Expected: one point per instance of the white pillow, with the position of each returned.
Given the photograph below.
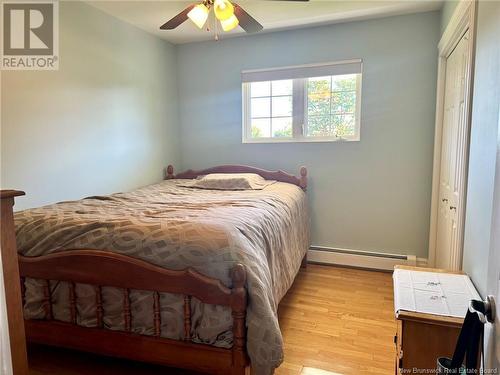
(230, 181)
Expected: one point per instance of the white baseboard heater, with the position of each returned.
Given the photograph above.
(361, 259)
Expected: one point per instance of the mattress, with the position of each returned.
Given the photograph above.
(175, 227)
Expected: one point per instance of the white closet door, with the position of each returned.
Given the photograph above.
(453, 159)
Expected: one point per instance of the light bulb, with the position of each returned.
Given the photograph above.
(223, 9)
(230, 23)
(199, 15)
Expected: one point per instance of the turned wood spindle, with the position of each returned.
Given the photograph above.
(23, 291)
(156, 315)
(127, 317)
(187, 318)
(99, 309)
(72, 302)
(47, 300)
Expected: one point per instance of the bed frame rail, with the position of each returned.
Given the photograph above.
(103, 268)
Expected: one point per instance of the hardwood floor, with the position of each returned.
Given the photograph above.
(334, 319)
(339, 320)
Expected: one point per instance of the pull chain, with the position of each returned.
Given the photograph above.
(216, 28)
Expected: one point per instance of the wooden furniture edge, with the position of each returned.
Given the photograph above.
(8, 249)
(11, 193)
(279, 175)
(429, 318)
(427, 269)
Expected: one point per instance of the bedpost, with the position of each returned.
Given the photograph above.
(12, 283)
(170, 172)
(239, 307)
(303, 178)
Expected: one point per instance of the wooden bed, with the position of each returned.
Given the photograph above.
(106, 268)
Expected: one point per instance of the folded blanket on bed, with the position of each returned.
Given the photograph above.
(176, 227)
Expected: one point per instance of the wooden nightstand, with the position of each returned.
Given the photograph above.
(421, 337)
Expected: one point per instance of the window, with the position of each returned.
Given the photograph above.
(271, 104)
(302, 104)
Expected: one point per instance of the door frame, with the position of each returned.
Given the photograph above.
(463, 19)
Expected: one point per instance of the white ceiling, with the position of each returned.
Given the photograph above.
(273, 15)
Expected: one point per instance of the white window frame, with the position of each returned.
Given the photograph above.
(299, 114)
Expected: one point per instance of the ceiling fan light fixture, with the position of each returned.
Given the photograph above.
(199, 15)
(229, 14)
(230, 23)
(223, 9)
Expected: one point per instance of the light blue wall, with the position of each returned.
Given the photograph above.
(106, 121)
(368, 195)
(482, 222)
(483, 145)
(449, 7)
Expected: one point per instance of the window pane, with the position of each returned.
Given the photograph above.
(318, 105)
(261, 128)
(343, 102)
(282, 106)
(343, 125)
(318, 96)
(260, 89)
(261, 107)
(283, 87)
(282, 127)
(345, 82)
(319, 86)
(319, 126)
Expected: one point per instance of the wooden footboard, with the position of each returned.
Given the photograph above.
(104, 268)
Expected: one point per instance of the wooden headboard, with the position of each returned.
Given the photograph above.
(281, 176)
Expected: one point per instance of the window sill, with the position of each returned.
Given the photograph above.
(299, 140)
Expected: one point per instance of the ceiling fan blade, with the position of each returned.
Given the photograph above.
(247, 22)
(178, 19)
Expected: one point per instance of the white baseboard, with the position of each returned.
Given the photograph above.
(362, 259)
(422, 262)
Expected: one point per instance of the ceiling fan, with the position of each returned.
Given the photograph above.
(229, 14)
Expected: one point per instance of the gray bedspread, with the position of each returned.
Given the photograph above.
(177, 227)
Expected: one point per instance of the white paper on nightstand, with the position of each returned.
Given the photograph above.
(433, 292)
